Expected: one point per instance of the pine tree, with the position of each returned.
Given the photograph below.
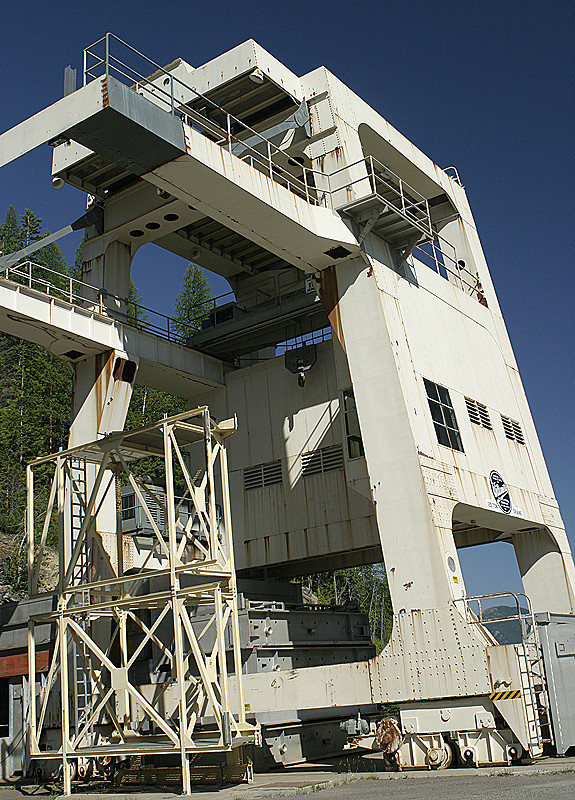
(31, 227)
(35, 392)
(11, 237)
(193, 303)
(136, 314)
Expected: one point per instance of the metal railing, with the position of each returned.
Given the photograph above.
(455, 175)
(530, 663)
(57, 285)
(63, 287)
(162, 86)
(385, 184)
(313, 337)
(525, 619)
(434, 256)
(269, 294)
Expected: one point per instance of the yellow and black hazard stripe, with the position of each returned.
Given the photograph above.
(512, 695)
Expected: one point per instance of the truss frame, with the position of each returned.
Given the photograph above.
(184, 570)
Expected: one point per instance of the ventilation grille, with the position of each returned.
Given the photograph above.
(318, 461)
(512, 430)
(128, 506)
(262, 475)
(132, 508)
(478, 413)
(156, 511)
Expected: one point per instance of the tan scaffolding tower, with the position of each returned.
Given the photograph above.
(116, 597)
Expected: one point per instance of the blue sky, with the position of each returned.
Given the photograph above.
(487, 87)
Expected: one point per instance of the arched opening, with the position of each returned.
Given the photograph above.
(522, 556)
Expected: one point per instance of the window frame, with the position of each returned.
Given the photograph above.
(351, 438)
(443, 415)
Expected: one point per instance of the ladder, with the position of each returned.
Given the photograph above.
(533, 685)
(80, 575)
(530, 666)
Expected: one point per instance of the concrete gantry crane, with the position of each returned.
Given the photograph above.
(380, 408)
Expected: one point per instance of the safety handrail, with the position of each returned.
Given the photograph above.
(520, 616)
(442, 261)
(100, 301)
(455, 175)
(109, 63)
(65, 286)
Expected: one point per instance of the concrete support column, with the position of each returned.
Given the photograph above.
(103, 388)
(107, 266)
(546, 566)
(102, 392)
(103, 384)
(412, 545)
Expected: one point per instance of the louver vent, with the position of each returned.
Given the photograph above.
(156, 510)
(128, 506)
(262, 475)
(158, 514)
(478, 413)
(512, 430)
(319, 461)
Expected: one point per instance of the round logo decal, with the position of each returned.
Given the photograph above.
(500, 492)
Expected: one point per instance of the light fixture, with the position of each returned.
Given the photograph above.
(57, 183)
(257, 76)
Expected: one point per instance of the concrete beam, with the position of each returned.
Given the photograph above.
(63, 328)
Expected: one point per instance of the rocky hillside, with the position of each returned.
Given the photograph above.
(13, 569)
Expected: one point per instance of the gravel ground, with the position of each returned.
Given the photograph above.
(551, 779)
(458, 786)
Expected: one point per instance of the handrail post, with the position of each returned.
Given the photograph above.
(107, 56)
(269, 148)
(305, 184)
(85, 66)
(30, 274)
(229, 124)
(172, 99)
